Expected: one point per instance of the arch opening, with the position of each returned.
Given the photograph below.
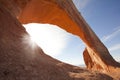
(57, 42)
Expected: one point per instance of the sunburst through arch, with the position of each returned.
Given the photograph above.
(57, 42)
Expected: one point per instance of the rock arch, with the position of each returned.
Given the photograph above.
(64, 14)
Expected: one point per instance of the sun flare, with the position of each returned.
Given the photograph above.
(50, 38)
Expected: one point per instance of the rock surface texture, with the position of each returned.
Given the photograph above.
(20, 61)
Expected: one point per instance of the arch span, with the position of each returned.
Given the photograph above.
(64, 14)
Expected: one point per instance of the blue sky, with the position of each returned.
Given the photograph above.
(103, 16)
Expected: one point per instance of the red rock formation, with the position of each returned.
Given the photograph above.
(68, 18)
(18, 60)
(87, 59)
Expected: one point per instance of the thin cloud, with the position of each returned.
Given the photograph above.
(117, 28)
(80, 4)
(50, 38)
(112, 35)
(114, 47)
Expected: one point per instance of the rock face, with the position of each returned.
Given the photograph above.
(20, 61)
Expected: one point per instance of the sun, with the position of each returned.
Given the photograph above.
(50, 38)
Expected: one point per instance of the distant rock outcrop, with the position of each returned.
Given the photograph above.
(20, 61)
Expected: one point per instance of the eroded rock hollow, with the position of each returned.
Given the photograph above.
(19, 61)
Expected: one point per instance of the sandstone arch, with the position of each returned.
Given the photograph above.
(64, 14)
